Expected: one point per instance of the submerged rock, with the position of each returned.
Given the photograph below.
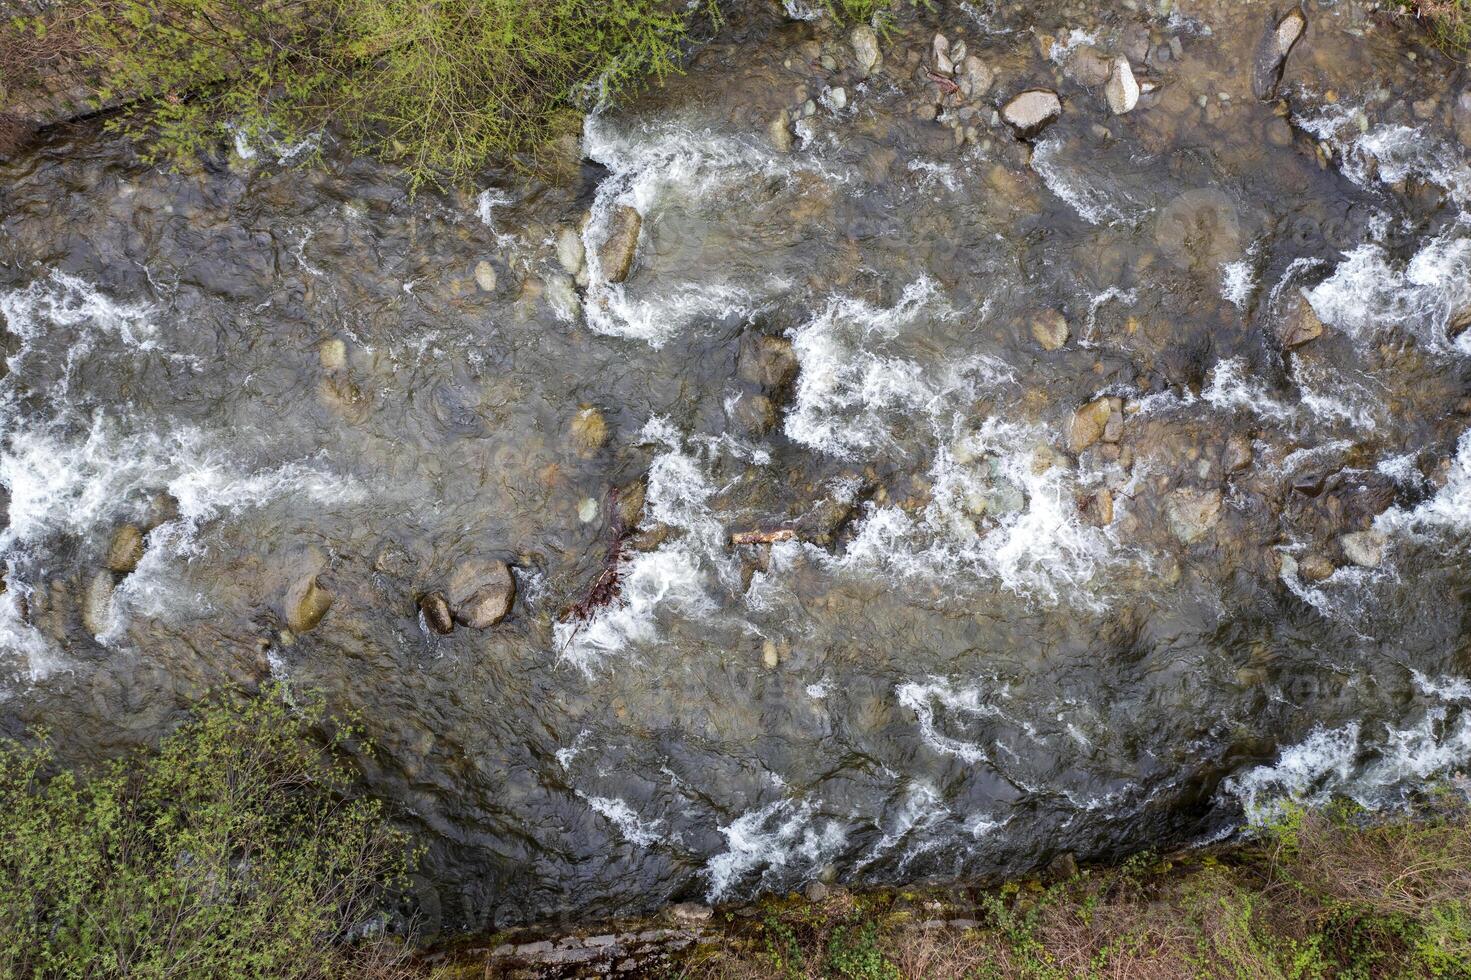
(306, 604)
(1272, 51)
(1089, 66)
(589, 430)
(435, 611)
(570, 251)
(616, 253)
(1050, 329)
(1097, 508)
(1299, 325)
(767, 361)
(126, 549)
(976, 78)
(1459, 322)
(1032, 111)
(1193, 514)
(1364, 548)
(332, 354)
(779, 131)
(480, 593)
(1122, 91)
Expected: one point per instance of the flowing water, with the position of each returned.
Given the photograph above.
(959, 662)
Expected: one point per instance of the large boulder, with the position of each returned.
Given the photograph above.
(480, 593)
(1032, 111)
(615, 255)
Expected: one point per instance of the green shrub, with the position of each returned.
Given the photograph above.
(1447, 21)
(235, 850)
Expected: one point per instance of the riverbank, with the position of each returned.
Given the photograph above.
(1322, 893)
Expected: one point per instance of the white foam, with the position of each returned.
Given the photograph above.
(964, 703)
(781, 835)
(1238, 282)
(1096, 199)
(1389, 152)
(678, 575)
(634, 828)
(920, 810)
(1308, 772)
(1449, 509)
(1445, 688)
(650, 163)
(1368, 294)
(851, 389)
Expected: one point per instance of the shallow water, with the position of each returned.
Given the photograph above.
(955, 665)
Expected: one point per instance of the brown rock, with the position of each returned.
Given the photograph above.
(1459, 322)
(1089, 423)
(1032, 111)
(1050, 329)
(589, 430)
(1315, 568)
(306, 604)
(1097, 508)
(126, 549)
(616, 253)
(767, 361)
(480, 593)
(1299, 325)
(436, 613)
(1238, 454)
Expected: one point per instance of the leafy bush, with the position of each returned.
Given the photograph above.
(1448, 21)
(235, 850)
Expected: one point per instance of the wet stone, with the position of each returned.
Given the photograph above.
(485, 277)
(588, 430)
(1315, 568)
(1299, 325)
(1050, 329)
(1091, 424)
(332, 354)
(97, 603)
(1193, 514)
(779, 132)
(1364, 548)
(1272, 51)
(570, 250)
(306, 603)
(435, 611)
(1122, 91)
(865, 48)
(126, 549)
(1032, 111)
(767, 361)
(480, 593)
(615, 254)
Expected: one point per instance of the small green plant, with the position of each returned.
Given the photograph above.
(1447, 21)
(235, 850)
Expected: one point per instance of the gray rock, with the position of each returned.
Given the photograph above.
(1050, 329)
(97, 603)
(1122, 92)
(571, 253)
(865, 48)
(561, 293)
(306, 603)
(1299, 325)
(1193, 514)
(1272, 50)
(815, 891)
(943, 64)
(1364, 548)
(1238, 455)
(485, 276)
(837, 97)
(689, 912)
(126, 549)
(1032, 111)
(1064, 867)
(480, 593)
(975, 77)
(436, 613)
(616, 253)
(1459, 321)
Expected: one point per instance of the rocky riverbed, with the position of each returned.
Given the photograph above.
(1037, 431)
